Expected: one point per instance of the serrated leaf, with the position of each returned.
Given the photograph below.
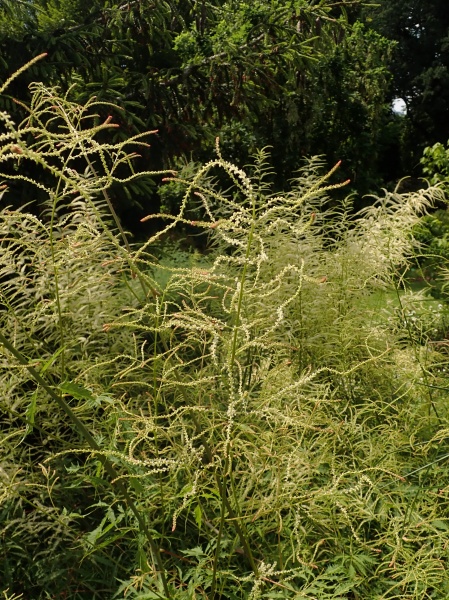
(197, 551)
(77, 391)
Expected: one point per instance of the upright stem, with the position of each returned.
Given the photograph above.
(225, 504)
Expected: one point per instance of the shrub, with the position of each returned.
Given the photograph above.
(432, 233)
(435, 163)
(246, 424)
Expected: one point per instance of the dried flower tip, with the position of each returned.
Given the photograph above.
(323, 279)
(108, 120)
(214, 225)
(106, 327)
(16, 149)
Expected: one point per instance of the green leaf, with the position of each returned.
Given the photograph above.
(77, 391)
(31, 411)
(198, 515)
(197, 551)
(438, 524)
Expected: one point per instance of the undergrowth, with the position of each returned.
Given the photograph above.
(239, 425)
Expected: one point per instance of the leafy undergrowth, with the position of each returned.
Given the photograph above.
(238, 426)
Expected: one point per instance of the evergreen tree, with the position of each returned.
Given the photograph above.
(291, 74)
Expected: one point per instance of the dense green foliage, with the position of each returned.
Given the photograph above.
(433, 230)
(267, 420)
(435, 163)
(432, 233)
(303, 77)
(419, 67)
(291, 74)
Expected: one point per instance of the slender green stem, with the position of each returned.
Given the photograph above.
(241, 290)
(222, 483)
(110, 205)
(56, 276)
(55, 268)
(220, 534)
(21, 70)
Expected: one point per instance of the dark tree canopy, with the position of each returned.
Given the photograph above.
(420, 65)
(292, 74)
